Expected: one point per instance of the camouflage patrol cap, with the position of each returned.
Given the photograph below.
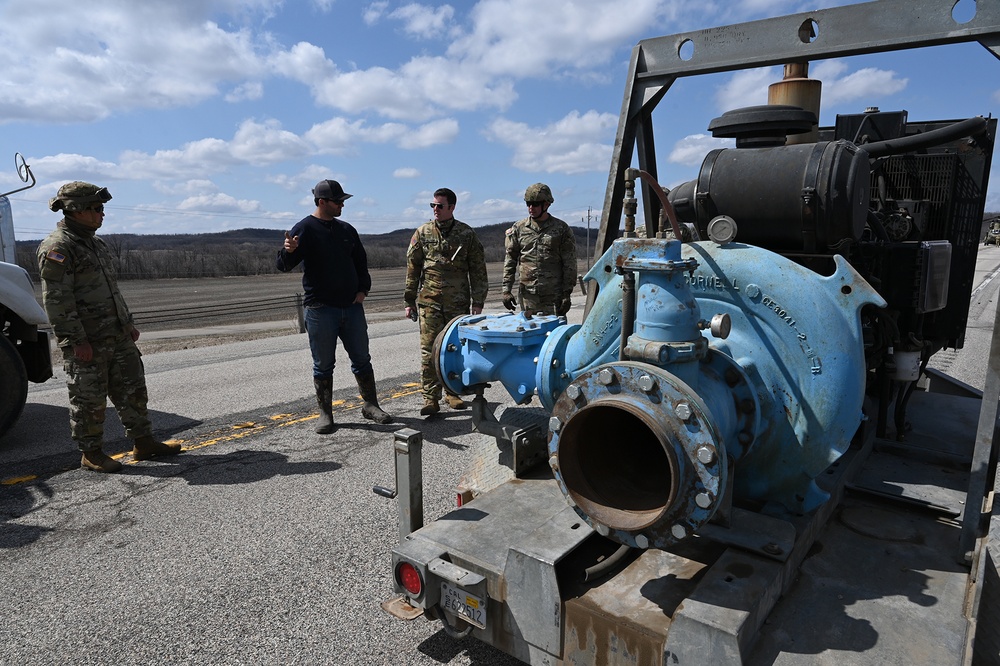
(78, 195)
(538, 192)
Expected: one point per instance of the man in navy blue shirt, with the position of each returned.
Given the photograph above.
(336, 281)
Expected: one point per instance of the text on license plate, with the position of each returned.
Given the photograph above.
(465, 605)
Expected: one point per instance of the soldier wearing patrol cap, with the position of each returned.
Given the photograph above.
(336, 281)
(542, 249)
(94, 329)
(445, 277)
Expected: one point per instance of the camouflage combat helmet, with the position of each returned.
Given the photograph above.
(77, 196)
(538, 192)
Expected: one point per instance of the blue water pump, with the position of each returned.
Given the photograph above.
(654, 407)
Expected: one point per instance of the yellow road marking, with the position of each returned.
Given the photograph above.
(18, 479)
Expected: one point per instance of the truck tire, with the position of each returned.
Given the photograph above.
(13, 388)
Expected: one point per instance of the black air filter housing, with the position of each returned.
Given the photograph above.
(800, 198)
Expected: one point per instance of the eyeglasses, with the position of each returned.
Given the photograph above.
(98, 208)
(436, 206)
(534, 203)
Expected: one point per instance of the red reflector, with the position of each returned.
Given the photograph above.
(458, 500)
(409, 578)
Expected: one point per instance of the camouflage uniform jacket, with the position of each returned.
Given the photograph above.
(546, 252)
(446, 266)
(80, 293)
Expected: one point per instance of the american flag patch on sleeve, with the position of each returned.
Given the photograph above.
(55, 256)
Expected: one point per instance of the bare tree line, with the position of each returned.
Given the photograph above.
(136, 258)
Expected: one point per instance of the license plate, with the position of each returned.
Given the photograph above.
(467, 606)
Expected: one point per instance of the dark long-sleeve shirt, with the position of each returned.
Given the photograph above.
(336, 265)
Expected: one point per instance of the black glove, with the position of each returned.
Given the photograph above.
(563, 306)
(508, 301)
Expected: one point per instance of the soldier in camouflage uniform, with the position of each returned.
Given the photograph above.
(545, 248)
(445, 274)
(94, 329)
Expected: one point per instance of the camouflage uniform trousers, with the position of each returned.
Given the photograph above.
(115, 372)
(433, 319)
(538, 303)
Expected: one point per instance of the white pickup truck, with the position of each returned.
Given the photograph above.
(24, 345)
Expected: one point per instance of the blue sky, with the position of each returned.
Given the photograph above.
(207, 115)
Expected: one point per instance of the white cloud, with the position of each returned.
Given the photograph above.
(305, 179)
(524, 38)
(869, 84)
(251, 90)
(431, 134)
(253, 144)
(571, 145)
(406, 172)
(195, 186)
(749, 87)
(374, 12)
(259, 144)
(691, 150)
(339, 136)
(336, 136)
(414, 92)
(746, 88)
(65, 166)
(54, 61)
(497, 210)
(424, 21)
(219, 203)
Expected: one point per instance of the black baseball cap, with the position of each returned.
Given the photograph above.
(330, 189)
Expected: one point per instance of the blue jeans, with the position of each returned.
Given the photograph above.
(325, 324)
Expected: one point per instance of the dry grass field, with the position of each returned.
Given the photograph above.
(200, 306)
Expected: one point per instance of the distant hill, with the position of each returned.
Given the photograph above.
(252, 251)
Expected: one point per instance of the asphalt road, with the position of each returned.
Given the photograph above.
(263, 542)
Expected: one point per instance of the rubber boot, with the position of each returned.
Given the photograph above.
(430, 407)
(371, 410)
(454, 401)
(146, 447)
(324, 398)
(99, 461)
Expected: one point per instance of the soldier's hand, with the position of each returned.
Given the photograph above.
(508, 301)
(564, 305)
(291, 242)
(410, 312)
(134, 334)
(83, 351)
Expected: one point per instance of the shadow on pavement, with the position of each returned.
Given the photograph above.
(234, 467)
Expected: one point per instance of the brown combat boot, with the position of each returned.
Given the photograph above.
(99, 461)
(324, 398)
(146, 447)
(454, 401)
(371, 410)
(430, 407)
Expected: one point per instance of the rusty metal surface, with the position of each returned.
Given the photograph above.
(493, 461)
(626, 620)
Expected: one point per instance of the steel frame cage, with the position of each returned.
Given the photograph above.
(872, 27)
